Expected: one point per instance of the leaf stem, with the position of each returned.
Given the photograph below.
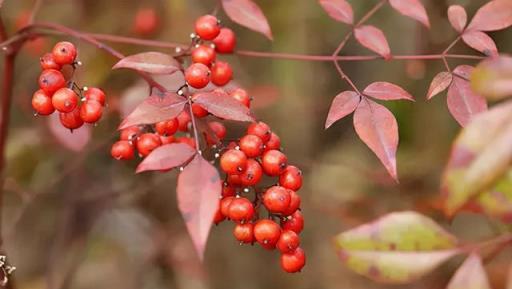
(193, 120)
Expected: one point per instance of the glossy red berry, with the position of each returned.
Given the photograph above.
(241, 210)
(65, 100)
(267, 233)
(203, 54)
(91, 111)
(233, 161)
(294, 203)
(51, 80)
(207, 27)
(244, 233)
(146, 22)
(225, 42)
(122, 150)
(71, 120)
(218, 129)
(187, 140)
(274, 162)
(183, 121)
(293, 262)
(291, 178)
(234, 180)
(221, 73)
(64, 53)
(224, 205)
(167, 139)
(199, 111)
(295, 222)
(93, 93)
(276, 199)
(47, 62)
(130, 133)
(147, 143)
(252, 174)
(197, 75)
(251, 145)
(288, 241)
(274, 143)
(219, 217)
(228, 190)
(242, 96)
(42, 103)
(167, 127)
(260, 129)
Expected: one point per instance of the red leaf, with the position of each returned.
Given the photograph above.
(223, 106)
(339, 10)
(440, 82)
(480, 41)
(198, 192)
(342, 105)
(248, 14)
(378, 129)
(373, 38)
(74, 141)
(462, 102)
(154, 109)
(166, 157)
(386, 91)
(150, 62)
(413, 9)
(495, 15)
(458, 17)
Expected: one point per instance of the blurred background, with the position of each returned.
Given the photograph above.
(75, 218)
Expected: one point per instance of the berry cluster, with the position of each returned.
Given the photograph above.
(75, 105)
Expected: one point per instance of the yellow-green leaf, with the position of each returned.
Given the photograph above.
(493, 78)
(496, 202)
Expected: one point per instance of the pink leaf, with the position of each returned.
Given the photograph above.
(462, 102)
(166, 157)
(471, 274)
(458, 17)
(480, 41)
(74, 141)
(413, 9)
(342, 105)
(339, 10)
(495, 15)
(154, 109)
(248, 14)
(198, 192)
(378, 129)
(373, 38)
(223, 106)
(440, 82)
(386, 91)
(150, 62)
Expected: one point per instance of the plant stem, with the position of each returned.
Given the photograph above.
(194, 126)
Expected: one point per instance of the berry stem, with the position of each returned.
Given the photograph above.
(193, 120)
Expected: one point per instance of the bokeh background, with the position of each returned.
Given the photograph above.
(75, 218)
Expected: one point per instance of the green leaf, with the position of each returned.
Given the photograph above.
(470, 275)
(492, 78)
(480, 156)
(397, 248)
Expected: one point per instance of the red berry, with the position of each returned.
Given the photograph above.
(183, 121)
(224, 205)
(146, 21)
(130, 133)
(122, 150)
(251, 145)
(228, 190)
(225, 42)
(234, 180)
(241, 210)
(71, 120)
(293, 262)
(199, 111)
(294, 203)
(233, 161)
(203, 54)
(167, 127)
(197, 75)
(267, 233)
(244, 233)
(93, 93)
(219, 217)
(221, 73)
(260, 129)
(274, 162)
(242, 96)
(187, 140)
(291, 178)
(252, 174)
(51, 80)
(42, 103)
(47, 62)
(161, 127)
(288, 241)
(147, 143)
(274, 143)
(167, 139)
(207, 27)
(64, 53)
(91, 111)
(276, 199)
(295, 222)
(218, 129)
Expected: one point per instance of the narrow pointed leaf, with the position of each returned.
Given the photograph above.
(342, 105)
(386, 91)
(440, 82)
(150, 62)
(166, 157)
(480, 41)
(458, 17)
(495, 15)
(339, 10)
(470, 275)
(223, 106)
(378, 129)
(198, 192)
(248, 14)
(413, 9)
(396, 248)
(374, 39)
